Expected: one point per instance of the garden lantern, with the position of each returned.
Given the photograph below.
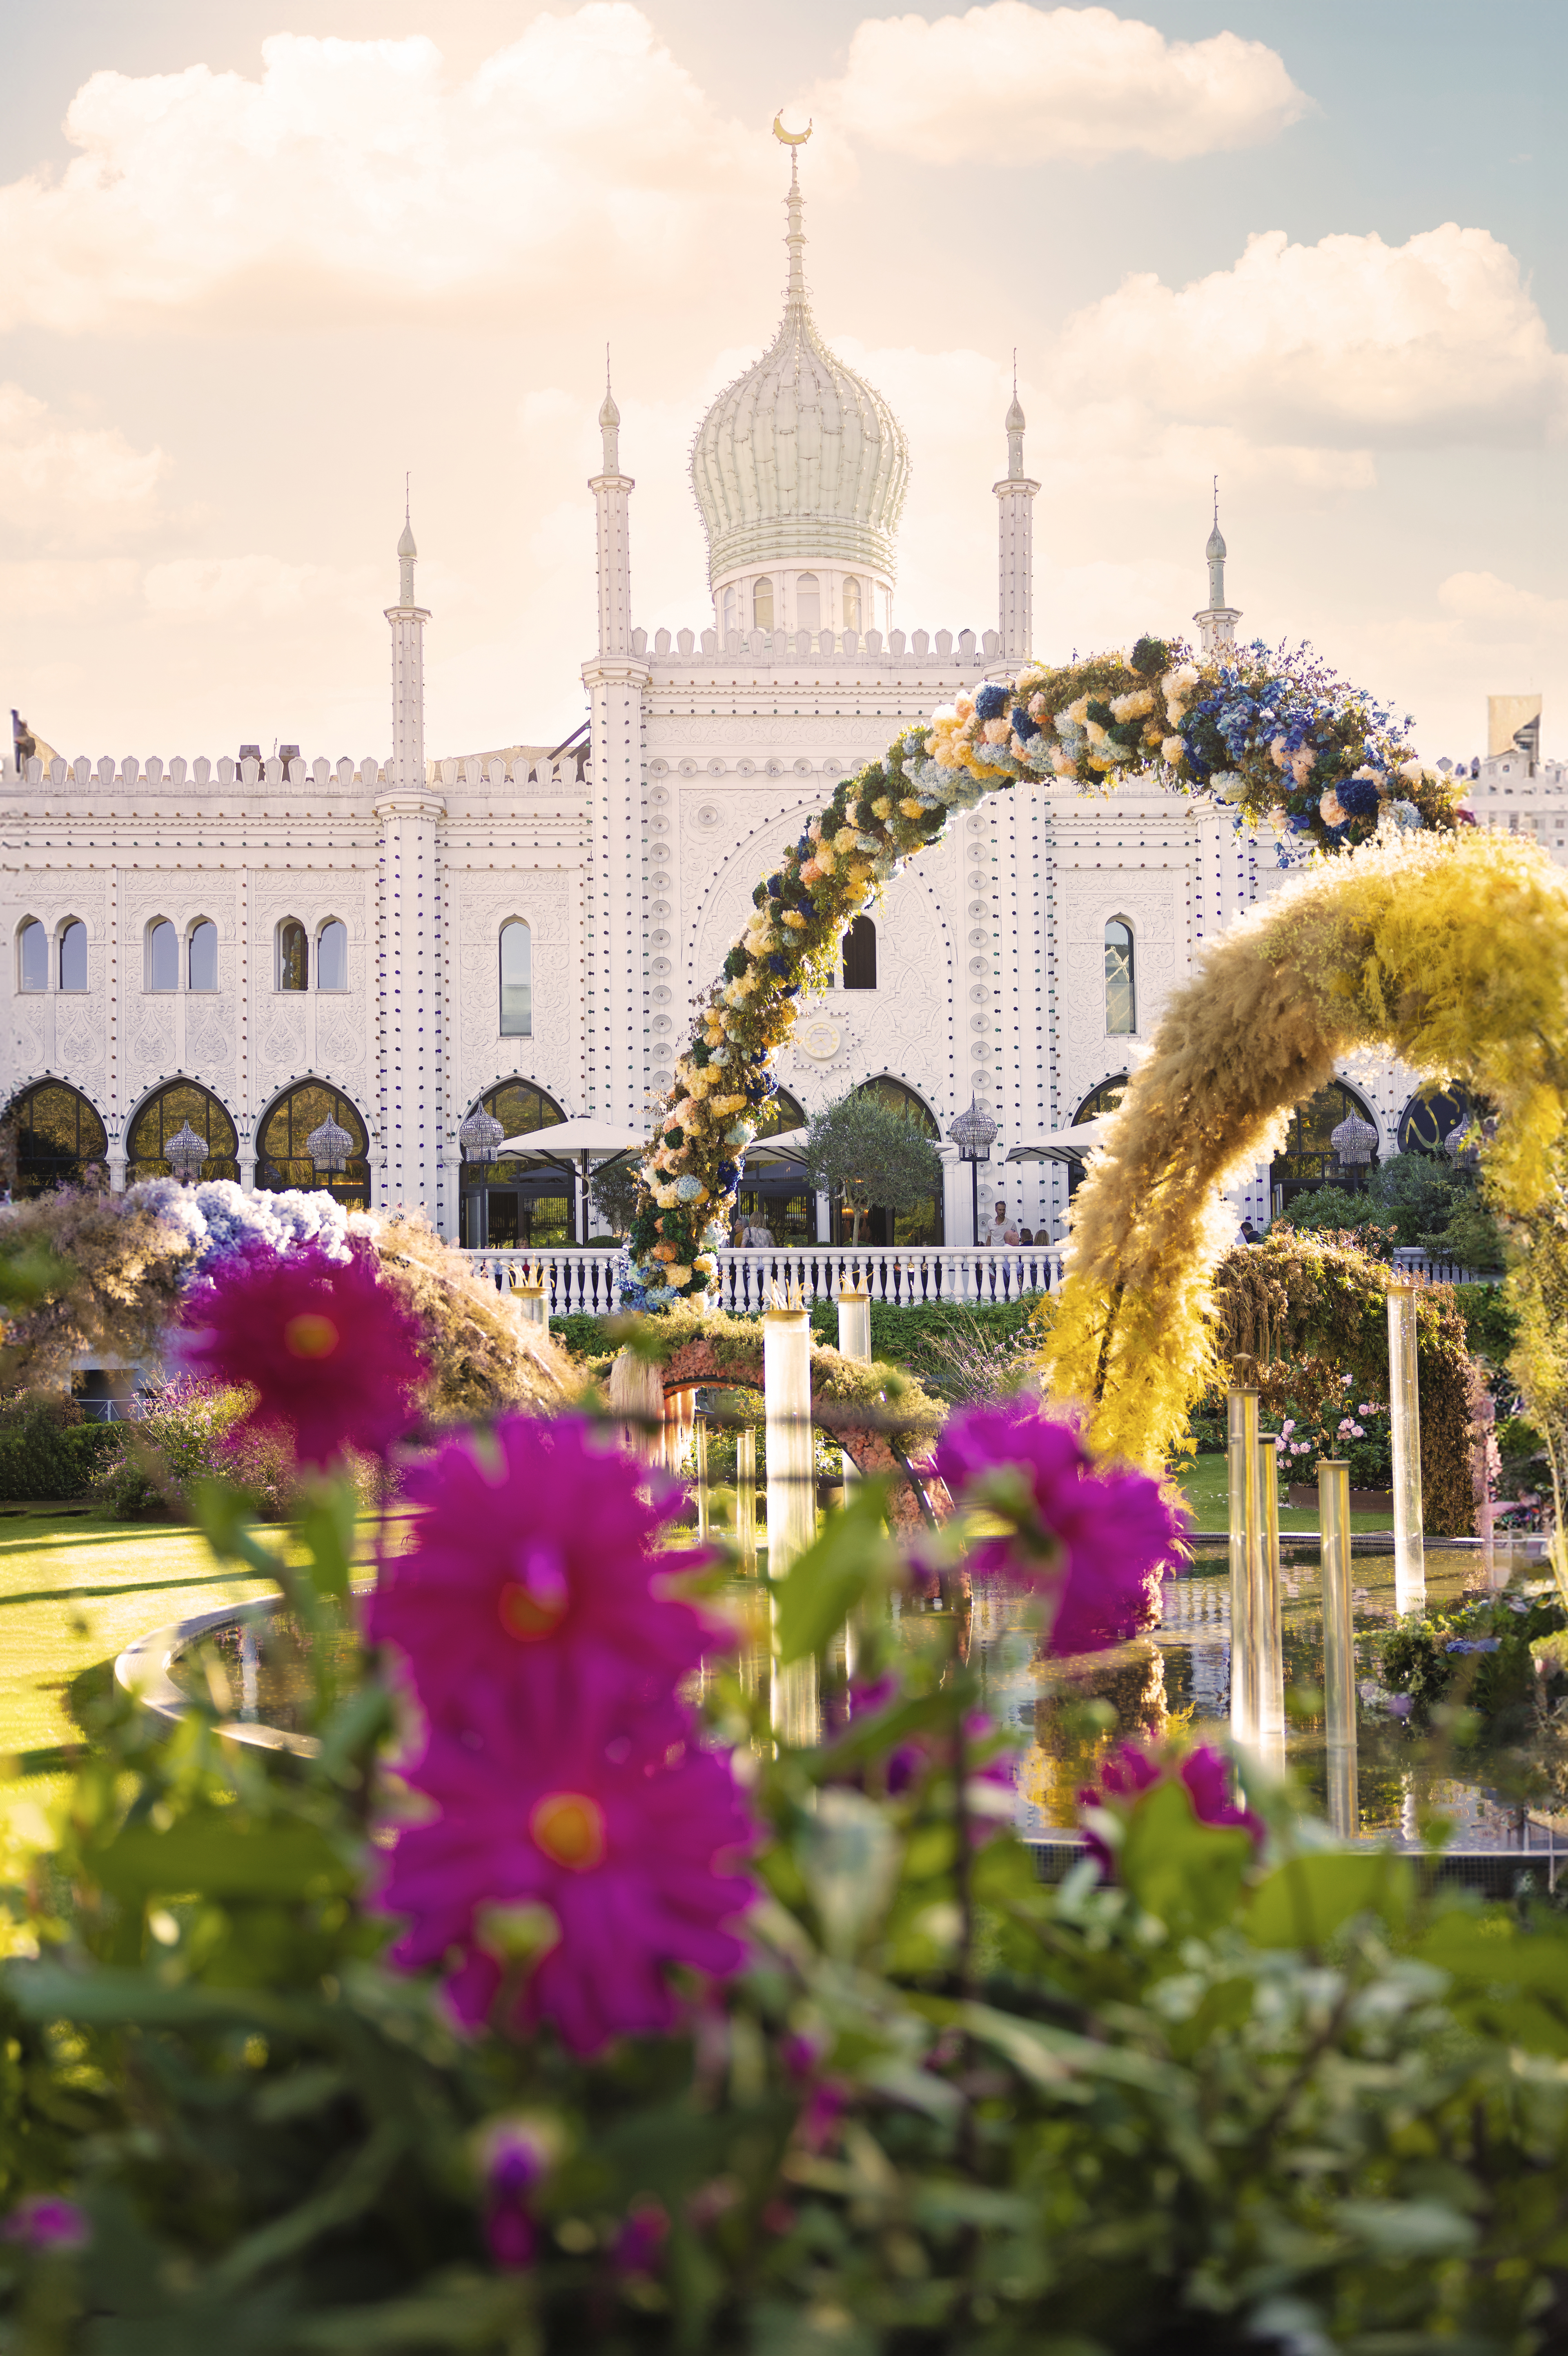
(329, 1148)
(184, 1152)
(1354, 1141)
(1462, 1142)
(974, 1134)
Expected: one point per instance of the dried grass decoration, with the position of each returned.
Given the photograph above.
(1450, 950)
(1272, 736)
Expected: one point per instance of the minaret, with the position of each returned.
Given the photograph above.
(407, 1159)
(1216, 621)
(615, 1011)
(1015, 542)
(612, 493)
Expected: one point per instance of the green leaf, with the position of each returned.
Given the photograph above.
(223, 1517)
(849, 1858)
(1188, 1874)
(1407, 2229)
(1304, 1901)
(822, 1586)
(211, 1854)
(325, 1520)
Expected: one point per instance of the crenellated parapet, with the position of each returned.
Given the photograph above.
(863, 652)
(473, 773)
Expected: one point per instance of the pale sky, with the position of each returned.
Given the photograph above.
(258, 263)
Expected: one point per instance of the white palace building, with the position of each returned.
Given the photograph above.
(247, 948)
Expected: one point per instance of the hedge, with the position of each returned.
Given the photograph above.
(41, 1457)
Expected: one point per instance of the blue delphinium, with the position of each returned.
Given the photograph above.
(991, 700)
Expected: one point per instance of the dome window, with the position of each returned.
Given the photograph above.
(852, 603)
(762, 604)
(731, 623)
(808, 602)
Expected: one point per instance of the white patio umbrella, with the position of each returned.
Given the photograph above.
(580, 1147)
(1068, 1145)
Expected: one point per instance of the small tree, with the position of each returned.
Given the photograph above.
(612, 1190)
(860, 1153)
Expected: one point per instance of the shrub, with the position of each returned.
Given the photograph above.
(184, 1438)
(48, 1449)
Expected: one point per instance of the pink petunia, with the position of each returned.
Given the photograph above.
(627, 1843)
(533, 1574)
(1095, 1541)
(47, 2221)
(328, 1348)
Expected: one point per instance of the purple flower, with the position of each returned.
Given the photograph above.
(1131, 1771)
(638, 2247)
(329, 1350)
(1095, 1541)
(624, 1842)
(532, 1576)
(517, 2158)
(47, 2221)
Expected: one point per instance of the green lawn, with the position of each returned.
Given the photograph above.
(1204, 1480)
(74, 1590)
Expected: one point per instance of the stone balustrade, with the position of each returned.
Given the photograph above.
(584, 1283)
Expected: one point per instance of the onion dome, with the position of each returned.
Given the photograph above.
(800, 461)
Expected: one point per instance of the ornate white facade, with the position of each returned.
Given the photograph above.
(631, 861)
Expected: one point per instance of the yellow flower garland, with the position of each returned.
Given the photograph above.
(1451, 951)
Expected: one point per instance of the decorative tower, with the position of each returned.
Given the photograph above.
(408, 1166)
(614, 1014)
(1016, 544)
(1216, 621)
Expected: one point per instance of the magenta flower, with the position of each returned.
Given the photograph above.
(517, 2158)
(1095, 1542)
(330, 1351)
(45, 2220)
(627, 1842)
(1131, 1771)
(533, 1573)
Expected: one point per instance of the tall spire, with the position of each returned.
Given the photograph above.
(406, 553)
(1216, 621)
(1014, 422)
(795, 236)
(609, 424)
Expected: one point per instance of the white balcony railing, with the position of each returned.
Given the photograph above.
(583, 1283)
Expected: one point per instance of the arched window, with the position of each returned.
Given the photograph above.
(182, 1103)
(33, 956)
(784, 1112)
(778, 1196)
(925, 1223)
(730, 611)
(201, 955)
(332, 955)
(852, 603)
(163, 956)
(283, 1158)
(1308, 1159)
(1103, 1100)
(512, 1205)
(294, 955)
(860, 955)
(1121, 982)
(73, 956)
(517, 980)
(808, 602)
(55, 1134)
(762, 604)
(1427, 1122)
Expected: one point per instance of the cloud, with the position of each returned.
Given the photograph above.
(1016, 84)
(1496, 609)
(357, 169)
(1351, 341)
(60, 484)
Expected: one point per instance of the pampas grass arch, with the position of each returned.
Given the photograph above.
(1450, 950)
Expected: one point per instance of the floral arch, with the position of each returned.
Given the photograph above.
(1271, 736)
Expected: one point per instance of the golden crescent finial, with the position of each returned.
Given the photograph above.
(789, 138)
